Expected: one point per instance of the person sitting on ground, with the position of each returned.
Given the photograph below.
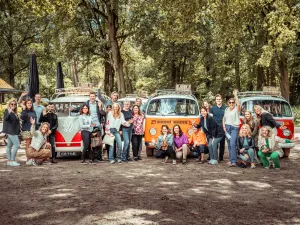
(245, 145)
(198, 142)
(164, 145)
(39, 150)
(181, 144)
(50, 117)
(11, 127)
(268, 147)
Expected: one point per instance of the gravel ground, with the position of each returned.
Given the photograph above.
(148, 192)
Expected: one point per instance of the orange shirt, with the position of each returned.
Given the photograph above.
(198, 138)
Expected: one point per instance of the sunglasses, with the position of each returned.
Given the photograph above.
(231, 102)
(13, 104)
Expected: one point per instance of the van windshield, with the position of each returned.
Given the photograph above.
(173, 107)
(276, 107)
(62, 109)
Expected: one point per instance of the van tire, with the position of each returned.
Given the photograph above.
(286, 152)
(149, 151)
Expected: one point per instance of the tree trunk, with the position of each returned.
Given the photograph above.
(75, 73)
(237, 68)
(112, 18)
(260, 78)
(173, 74)
(11, 73)
(284, 76)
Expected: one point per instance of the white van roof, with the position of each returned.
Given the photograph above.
(71, 98)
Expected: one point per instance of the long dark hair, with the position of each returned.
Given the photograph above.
(180, 131)
(166, 126)
(81, 109)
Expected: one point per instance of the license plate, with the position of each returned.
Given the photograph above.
(67, 153)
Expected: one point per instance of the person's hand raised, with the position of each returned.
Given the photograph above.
(100, 104)
(32, 121)
(235, 91)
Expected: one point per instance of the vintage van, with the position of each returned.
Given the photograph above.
(169, 107)
(68, 134)
(274, 103)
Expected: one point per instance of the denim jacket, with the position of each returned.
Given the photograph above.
(169, 140)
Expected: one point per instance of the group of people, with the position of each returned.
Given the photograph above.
(255, 136)
(112, 122)
(36, 125)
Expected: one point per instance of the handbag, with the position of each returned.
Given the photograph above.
(96, 141)
(109, 140)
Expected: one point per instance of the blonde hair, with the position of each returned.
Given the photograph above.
(250, 121)
(248, 130)
(270, 134)
(43, 124)
(9, 102)
(118, 114)
(260, 109)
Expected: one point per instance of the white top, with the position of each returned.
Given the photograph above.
(231, 117)
(115, 122)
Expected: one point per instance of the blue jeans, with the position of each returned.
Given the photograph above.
(127, 133)
(12, 141)
(118, 140)
(213, 147)
(232, 149)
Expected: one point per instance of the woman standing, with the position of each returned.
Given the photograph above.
(86, 126)
(27, 113)
(126, 131)
(11, 127)
(115, 119)
(252, 123)
(138, 131)
(214, 134)
(181, 144)
(39, 150)
(246, 146)
(231, 124)
(164, 145)
(268, 147)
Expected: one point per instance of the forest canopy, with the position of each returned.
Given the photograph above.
(131, 45)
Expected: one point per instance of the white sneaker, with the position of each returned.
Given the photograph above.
(34, 163)
(14, 163)
(174, 162)
(29, 162)
(164, 160)
(8, 163)
(112, 161)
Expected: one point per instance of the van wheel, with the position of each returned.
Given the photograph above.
(286, 152)
(149, 151)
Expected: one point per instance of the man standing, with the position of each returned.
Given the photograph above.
(217, 112)
(38, 108)
(97, 113)
(50, 117)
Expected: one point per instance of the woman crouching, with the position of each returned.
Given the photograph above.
(268, 147)
(164, 145)
(245, 144)
(39, 150)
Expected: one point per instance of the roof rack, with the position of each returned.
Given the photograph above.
(276, 94)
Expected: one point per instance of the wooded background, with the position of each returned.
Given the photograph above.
(215, 45)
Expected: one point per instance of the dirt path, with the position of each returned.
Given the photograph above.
(149, 192)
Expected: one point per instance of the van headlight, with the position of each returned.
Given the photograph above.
(190, 131)
(286, 132)
(153, 131)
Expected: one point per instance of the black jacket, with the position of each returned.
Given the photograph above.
(214, 130)
(25, 117)
(266, 119)
(11, 123)
(50, 118)
(240, 143)
(100, 113)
